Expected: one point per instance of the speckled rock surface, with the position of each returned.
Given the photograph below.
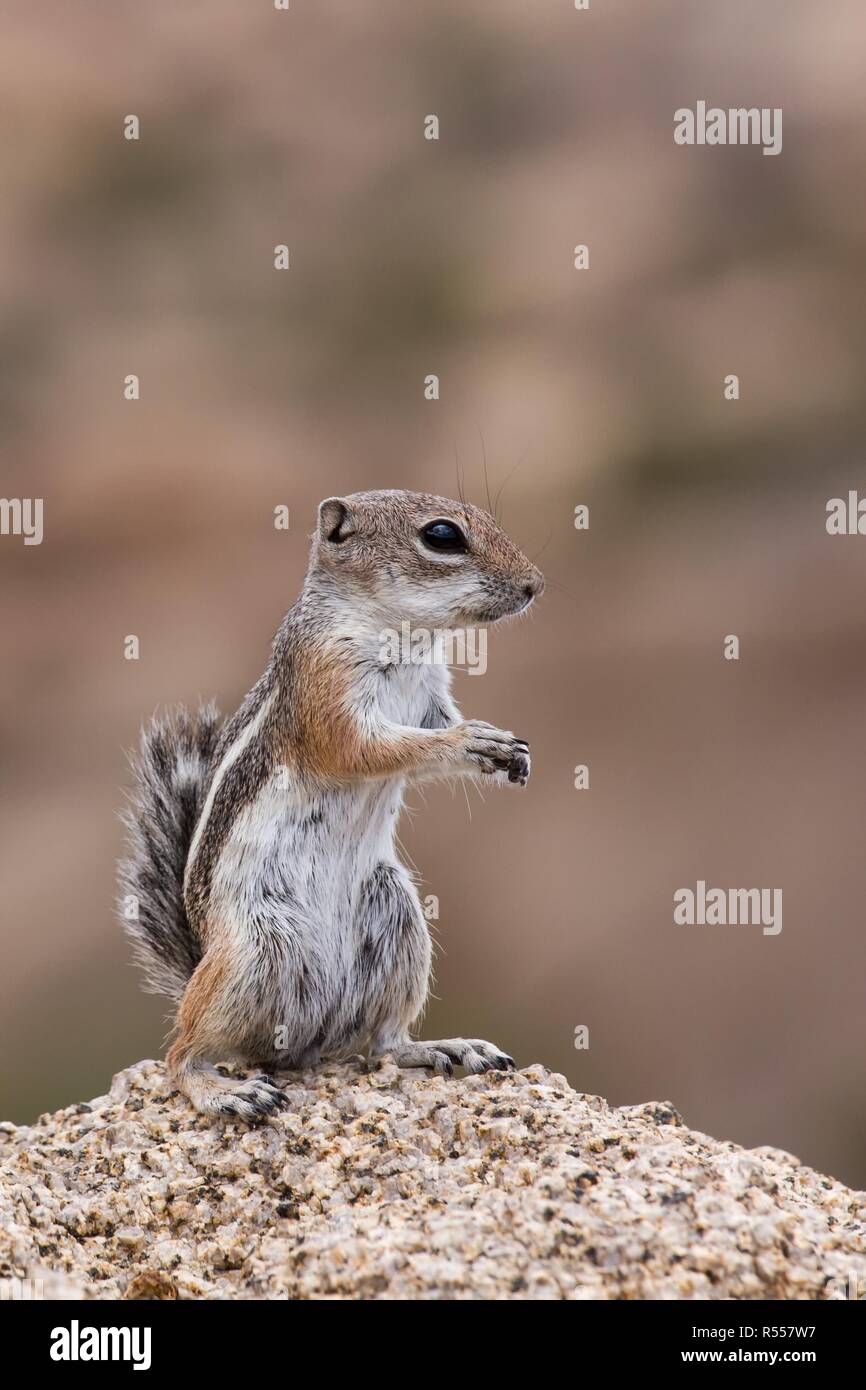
(393, 1184)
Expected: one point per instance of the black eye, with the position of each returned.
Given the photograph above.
(443, 535)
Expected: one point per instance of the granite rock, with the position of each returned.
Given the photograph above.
(393, 1184)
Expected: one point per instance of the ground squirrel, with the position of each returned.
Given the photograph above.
(268, 901)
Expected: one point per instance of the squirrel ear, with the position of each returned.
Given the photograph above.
(335, 520)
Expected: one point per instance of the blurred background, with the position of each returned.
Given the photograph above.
(602, 387)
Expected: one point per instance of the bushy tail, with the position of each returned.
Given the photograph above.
(171, 771)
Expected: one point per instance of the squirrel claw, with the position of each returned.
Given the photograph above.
(518, 765)
(253, 1100)
(474, 1054)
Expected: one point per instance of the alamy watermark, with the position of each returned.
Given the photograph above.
(711, 907)
(15, 1290)
(420, 646)
(846, 1288)
(22, 516)
(738, 125)
(846, 516)
(77, 1343)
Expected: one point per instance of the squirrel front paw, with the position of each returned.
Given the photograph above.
(484, 748)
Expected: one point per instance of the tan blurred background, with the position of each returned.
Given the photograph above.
(604, 387)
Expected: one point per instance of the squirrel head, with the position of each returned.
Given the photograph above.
(430, 560)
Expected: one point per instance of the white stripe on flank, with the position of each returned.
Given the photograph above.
(231, 756)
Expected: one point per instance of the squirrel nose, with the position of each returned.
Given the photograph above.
(534, 587)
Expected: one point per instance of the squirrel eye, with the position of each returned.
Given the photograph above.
(443, 535)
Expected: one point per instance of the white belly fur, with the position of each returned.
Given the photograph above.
(292, 872)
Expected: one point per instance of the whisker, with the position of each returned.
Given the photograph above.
(460, 492)
(554, 584)
(534, 557)
(486, 480)
(506, 480)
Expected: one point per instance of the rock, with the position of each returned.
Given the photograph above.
(394, 1184)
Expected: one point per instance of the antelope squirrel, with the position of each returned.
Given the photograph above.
(271, 904)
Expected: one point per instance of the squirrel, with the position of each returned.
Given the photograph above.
(271, 907)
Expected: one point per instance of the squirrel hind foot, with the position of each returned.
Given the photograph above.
(443, 1055)
(226, 1097)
